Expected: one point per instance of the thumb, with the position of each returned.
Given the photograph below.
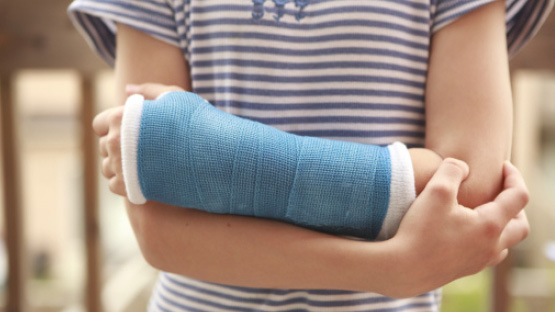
(445, 183)
(150, 90)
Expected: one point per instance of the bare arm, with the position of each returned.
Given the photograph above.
(468, 99)
(141, 59)
(261, 253)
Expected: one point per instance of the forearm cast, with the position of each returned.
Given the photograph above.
(190, 154)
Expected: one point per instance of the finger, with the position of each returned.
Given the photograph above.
(102, 148)
(113, 143)
(516, 231)
(150, 90)
(116, 166)
(513, 198)
(117, 186)
(499, 258)
(101, 123)
(444, 184)
(106, 169)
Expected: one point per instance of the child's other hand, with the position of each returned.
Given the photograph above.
(443, 241)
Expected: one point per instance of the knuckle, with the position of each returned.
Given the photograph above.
(441, 191)
(491, 229)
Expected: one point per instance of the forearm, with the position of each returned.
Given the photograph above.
(252, 252)
(261, 253)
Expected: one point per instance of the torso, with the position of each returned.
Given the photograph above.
(346, 70)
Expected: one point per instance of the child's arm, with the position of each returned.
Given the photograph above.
(261, 253)
(424, 164)
(181, 150)
(468, 99)
(438, 241)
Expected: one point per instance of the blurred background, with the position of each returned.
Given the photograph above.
(67, 239)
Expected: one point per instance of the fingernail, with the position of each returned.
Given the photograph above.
(131, 88)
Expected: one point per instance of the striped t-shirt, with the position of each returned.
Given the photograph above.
(352, 70)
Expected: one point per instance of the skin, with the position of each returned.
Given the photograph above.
(439, 240)
(469, 111)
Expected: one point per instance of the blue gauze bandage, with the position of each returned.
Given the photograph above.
(181, 150)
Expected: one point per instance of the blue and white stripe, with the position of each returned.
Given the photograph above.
(176, 293)
(352, 70)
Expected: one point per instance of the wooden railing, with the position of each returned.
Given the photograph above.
(12, 200)
(537, 55)
(50, 42)
(38, 35)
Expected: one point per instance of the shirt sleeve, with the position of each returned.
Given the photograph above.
(96, 21)
(523, 18)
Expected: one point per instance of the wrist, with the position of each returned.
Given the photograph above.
(401, 189)
(379, 267)
(130, 131)
(403, 269)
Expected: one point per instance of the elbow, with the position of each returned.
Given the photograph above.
(483, 184)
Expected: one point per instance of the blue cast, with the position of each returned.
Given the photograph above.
(191, 154)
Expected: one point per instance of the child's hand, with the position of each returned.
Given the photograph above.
(107, 125)
(150, 90)
(443, 241)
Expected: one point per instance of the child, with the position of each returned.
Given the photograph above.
(350, 70)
